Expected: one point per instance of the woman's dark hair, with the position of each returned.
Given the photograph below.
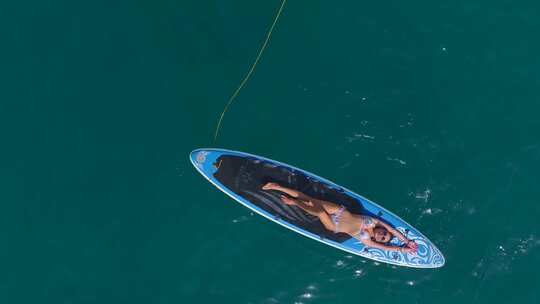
(381, 232)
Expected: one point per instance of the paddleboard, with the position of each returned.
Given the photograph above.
(241, 176)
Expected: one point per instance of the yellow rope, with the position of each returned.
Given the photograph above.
(233, 96)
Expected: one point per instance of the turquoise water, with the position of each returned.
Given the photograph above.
(429, 109)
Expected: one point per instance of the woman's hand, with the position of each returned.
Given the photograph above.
(412, 245)
(408, 250)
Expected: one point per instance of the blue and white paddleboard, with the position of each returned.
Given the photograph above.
(241, 176)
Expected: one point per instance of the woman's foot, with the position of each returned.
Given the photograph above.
(271, 186)
(288, 201)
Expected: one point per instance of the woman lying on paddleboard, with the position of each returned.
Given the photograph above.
(370, 231)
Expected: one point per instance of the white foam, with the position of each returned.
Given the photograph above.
(359, 273)
(307, 295)
(402, 162)
(358, 136)
(423, 195)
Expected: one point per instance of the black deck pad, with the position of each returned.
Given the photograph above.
(246, 176)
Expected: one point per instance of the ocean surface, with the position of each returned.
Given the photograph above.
(429, 108)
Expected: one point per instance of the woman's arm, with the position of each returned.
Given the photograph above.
(370, 243)
(392, 230)
(409, 243)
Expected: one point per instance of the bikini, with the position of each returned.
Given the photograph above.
(366, 221)
(335, 217)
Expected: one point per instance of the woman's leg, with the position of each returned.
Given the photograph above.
(291, 192)
(315, 210)
(309, 208)
(329, 207)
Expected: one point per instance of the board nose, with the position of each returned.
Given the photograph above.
(195, 154)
